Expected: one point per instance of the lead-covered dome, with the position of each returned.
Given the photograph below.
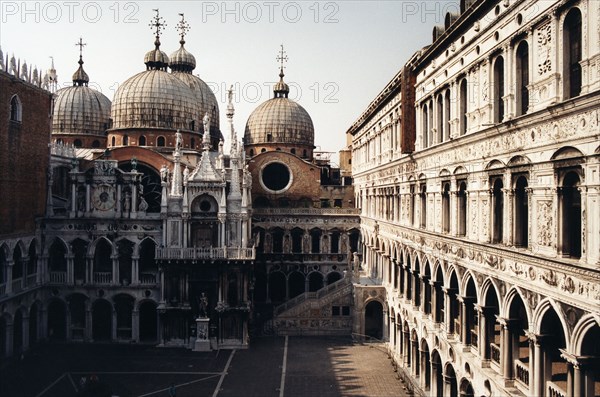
(281, 121)
(154, 99)
(80, 110)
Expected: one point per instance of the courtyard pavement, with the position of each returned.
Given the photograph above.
(273, 366)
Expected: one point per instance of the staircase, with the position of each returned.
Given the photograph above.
(311, 312)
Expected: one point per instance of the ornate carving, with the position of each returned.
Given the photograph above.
(544, 40)
(545, 223)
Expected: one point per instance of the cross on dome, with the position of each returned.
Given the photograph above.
(157, 23)
(81, 44)
(281, 58)
(183, 27)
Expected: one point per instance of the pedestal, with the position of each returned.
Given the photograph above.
(202, 343)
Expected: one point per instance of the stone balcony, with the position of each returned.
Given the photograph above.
(199, 254)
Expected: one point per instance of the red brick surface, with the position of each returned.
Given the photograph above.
(24, 156)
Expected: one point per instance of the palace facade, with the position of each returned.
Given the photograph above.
(477, 176)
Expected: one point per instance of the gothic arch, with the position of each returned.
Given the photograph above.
(136, 249)
(451, 270)
(465, 281)
(94, 245)
(585, 324)
(485, 288)
(58, 240)
(540, 312)
(508, 300)
(438, 265)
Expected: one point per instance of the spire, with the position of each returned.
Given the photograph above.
(80, 77)
(51, 77)
(230, 112)
(281, 89)
(156, 59)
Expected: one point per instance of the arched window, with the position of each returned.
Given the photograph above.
(15, 109)
(571, 216)
(412, 205)
(125, 140)
(521, 212)
(251, 152)
(423, 199)
(498, 90)
(447, 116)
(192, 143)
(522, 78)
(425, 125)
(293, 151)
(572, 54)
(446, 207)
(160, 141)
(142, 141)
(462, 208)
(463, 106)
(498, 210)
(113, 141)
(440, 119)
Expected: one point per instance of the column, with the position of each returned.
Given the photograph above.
(537, 380)
(115, 269)
(25, 333)
(135, 270)
(88, 335)
(447, 309)
(114, 325)
(135, 325)
(9, 268)
(463, 320)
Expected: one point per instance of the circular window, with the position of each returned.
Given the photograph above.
(205, 206)
(276, 177)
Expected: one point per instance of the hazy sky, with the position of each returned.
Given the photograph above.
(341, 53)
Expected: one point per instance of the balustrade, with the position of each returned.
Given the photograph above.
(495, 353)
(522, 372)
(58, 277)
(103, 277)
(554, 390)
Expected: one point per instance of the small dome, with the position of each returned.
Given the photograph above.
(80, 110)
(280, 120)
(182, 60)
(155, 99)
(156, 59)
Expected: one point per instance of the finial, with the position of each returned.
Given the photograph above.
(157, 23)
(183, 27)
(81, 44)
(281, 58)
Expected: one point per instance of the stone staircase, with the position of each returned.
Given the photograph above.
(311, 312)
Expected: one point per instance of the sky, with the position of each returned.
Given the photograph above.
(341, 54)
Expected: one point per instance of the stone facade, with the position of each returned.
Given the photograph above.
(485, 237)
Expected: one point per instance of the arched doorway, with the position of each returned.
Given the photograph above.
(296, 284)
(101, 320)
(332, 277)
(57, 320)
(277, 290)
(124, 310)
(33, 324)
(450, 387)
(18, 333)
(374, 320)
(437, 379)
(466, 389)
(315, 281)
(148, 322)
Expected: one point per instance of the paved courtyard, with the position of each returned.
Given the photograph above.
(296, 366)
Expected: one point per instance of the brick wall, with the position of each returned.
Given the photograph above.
(24, 156)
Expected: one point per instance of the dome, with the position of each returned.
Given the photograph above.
(155, 99)
(280, 120)
(206, 102)
(182, 60)
(156, 59)
(80, 110)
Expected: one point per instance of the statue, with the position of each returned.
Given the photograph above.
(186, 173)
(143, 206)
(81, 200)
(127, 201)
(163, 173)
(286, 244)
(203, 306)
(178, 141)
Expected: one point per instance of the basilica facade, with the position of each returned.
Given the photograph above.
(477, 176)
(148, 223)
